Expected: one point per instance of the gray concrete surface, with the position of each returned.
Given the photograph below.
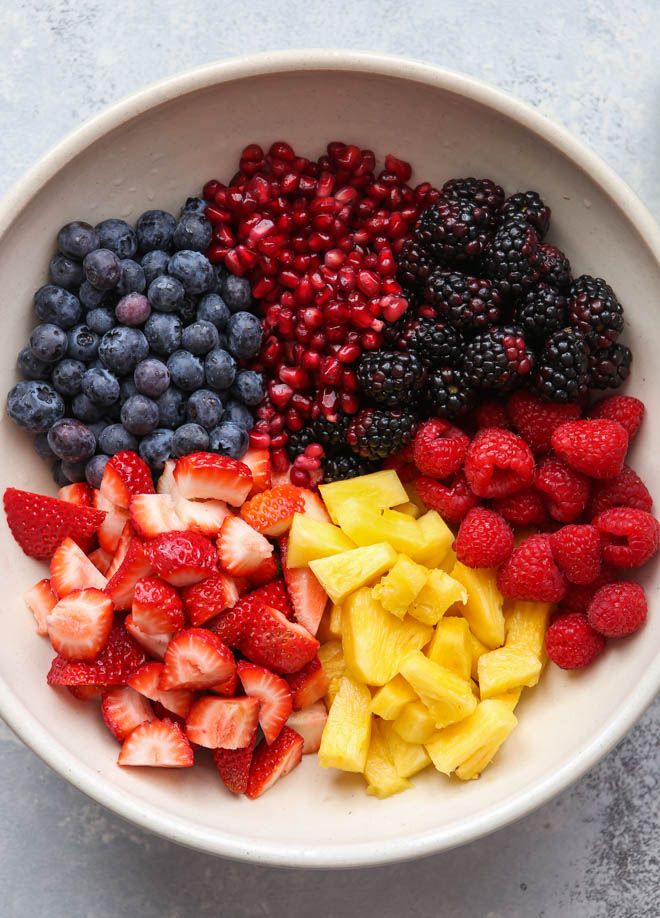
(592, 65)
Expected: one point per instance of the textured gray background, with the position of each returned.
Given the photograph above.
(592, 66)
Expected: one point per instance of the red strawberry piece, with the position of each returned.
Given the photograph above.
(234, 766)
(135, 565)
(626, 410)
(196, 659)
(271, 640)
(40, 524)
(531, 574)
(225, 723)
(209, 598)
(595, 447)
(182, 558)
(125, 475)
(273, 594)
(154, 644)
(571, 642)
(241, 548)
(526, 508)
(101, 560)
(576, 550)
(118, 660)
(228, 687)
(270, 763)
(630, 537)
(113, 526)
(157, 743)
(41, 601)
(152, 514)
(80, 624)
(258, 462)
(146, 681)
(271, 512)
(203, 516)
(86, 692)
(492, 414)
(308, 685)
(566, 490)
(79, 494)
(166, 483)
(272, 693)
(123, 710)
(536, 420)
(71, 569)
(157, 607)
(451, 499)
(618, 610)
(309, 723)
(484, 539)
(626, 490)
(267, 571)
(308, 597)
(230, 626)
(498, 463)
(579, 596)
(314, 506)
(127, 535)
(200, 476)
(439, 448)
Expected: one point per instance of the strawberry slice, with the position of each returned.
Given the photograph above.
(86, 692)
(270, 763)
(209, 598)
(182, 558)
(271, 512)
(241, 549)
(123, 709)
(314, 506)
(309, 723)
(127, 534)
(166, 483)
(204, 516)
(118, 660)
(101, 559)
(111, 529)
(158, 743)
(154, 644)
(71, 569)
(234, 766)
(271, 640)
(207, 475)
(308, 685)
(135, 565)
(267, 571)
(39, 523)
(152, 514)
(80, 624)
(125, 475)
(146, 681)
(258, 462)
(41, 600)
(227, 723)
(157, 607)
(196, 659)
(273, 594)
(228, 687)
(231, 625)
(79, 494)
(273, 694)
(308, 597)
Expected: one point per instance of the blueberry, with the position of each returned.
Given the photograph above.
(67, 376)
(219, 368)
(165, 293)
(57, 305)
(101, 319)
(77, 239)
(48, 343)
(193, 269)
(151, 377)
(121, 349)
(73, 471)
(97, 428)
(42, 448)
(102, 269)
(31, 367)
(193, 232)
(220, 274)
(155, 229)
(86, 410)
(230, 439)
(236, 292)
(238, 414)
(153, 264)
(71, 440)
(59, 477)
(139, 415)
(205, 407)
(127, 388)
(212, 308)
(91, 296)
(187, 311)
(171, 408)
(83, 343)
(194, 206)
(248, 387)
(163, 332)
(133, 309)
(189, 438)
(94, 470)
(65, 272)
(118, 236)
(200, 337)
(244, 334)
(100, 386)
(116, 438)
(132, 278)
(156, 448)
(186, 370)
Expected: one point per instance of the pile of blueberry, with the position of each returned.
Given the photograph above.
(140, 346)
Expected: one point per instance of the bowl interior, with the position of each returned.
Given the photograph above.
(157, 158)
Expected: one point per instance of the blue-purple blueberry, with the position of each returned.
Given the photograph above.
(132, 278)
(200, 337)
(248, 387)
(139, 415)
(48, 342)
(71, 440)
(151, 377)
(219, 368)
(102, 269)
(116, 438)
(121, 349)
(31, 367)
(156, 448)
(163, 332)
(87, 411)
(34, 405)
(101, 319)
(133, 309)
(101, 386)
(57, 306)
(65, 272)
(82, 344)
(189, 438)
(186, 370)
(236, 292)
(238, 414)
(193, 232)
(166, 293)
(205, 407)
(91, 296)
(171, 408)
(212, 308)
(194, 270)
(155, 229)
(67, 376)
(230, 439)
(77, 239)
(154, 264)
(118, 236)
(244, 335)
(94, 470)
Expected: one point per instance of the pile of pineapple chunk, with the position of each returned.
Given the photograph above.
(425, 664)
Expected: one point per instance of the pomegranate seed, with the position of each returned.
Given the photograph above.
(311, 360)
(393, 307)
(294, 377)
(280, 394)
(349, 403)
(259, 440)
(293, 420)
(209, 190)
(348, 353)
(299, 477)
(279, 459)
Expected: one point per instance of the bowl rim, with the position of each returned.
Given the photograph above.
(180, 830)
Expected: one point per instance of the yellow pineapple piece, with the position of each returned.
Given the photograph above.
(507, 668)
(510, 699)
(477, 649)
(414, 724)
(347, 731)
(366, 525)
(451, 647)
(448, 697)
(483, 609)
(335, 619)
(378, 490)
(389, 701)
(490, 724)
(400, 586)
(526, 624)
(374, 641)
(414, 497)
(448, 562)
(331, 656)
(324, 631)
(436, 596)
(473, 766)
(381, 775)
(310, 539)
(408, 758)
(409, 508)
(340, 574)
(435, 540)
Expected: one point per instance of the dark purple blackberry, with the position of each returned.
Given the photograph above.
(436, 342)
(529, 206)
(540, 312)
(391, 378)
(513, 260)
(497, 359)
(468, 303)
(331, 433)
(450, 392)
(414, 265)
(594, 310)
(562, 371)
(375, 433)
(609, 367)
(555, 267)
(453, 230)
(482, 192)
(298, 441)
(346, 465)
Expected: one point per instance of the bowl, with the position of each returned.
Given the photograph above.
(154, 149)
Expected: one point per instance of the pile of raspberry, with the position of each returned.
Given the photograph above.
(559, 482)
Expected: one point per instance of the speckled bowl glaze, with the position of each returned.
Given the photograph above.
(154, 149)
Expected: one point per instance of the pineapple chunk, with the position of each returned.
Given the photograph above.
(438, 593)
(435, 540)
(335, 619)
(448, 562)
(408, 758)
(490, 724)
(378, 490)
(331, 656)
(400, 586)
(483, 609)
(448, 697)
(477, 649)
(310, 539)
(510, 699)
(347, 731)
(383, 779)
(366, 525)
(409, 508)
(414, 724)
(389, 701)
(526, 625)
(324, 631)
(505, 669)
(376, 642)
(340, 574)
(472, 767)
(450, 646)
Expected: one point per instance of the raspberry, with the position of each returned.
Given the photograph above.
(536, 420)
(579, 596)
(439, 448)
(498, 463)
(630, 537)
(626, 490)
(618, 610)
(566, 491)
(531, 574)
(526, 508)
(625, 409)
(571, 642)
(576, 550)
(492, 414)
(484, 539)
(595, 447)
(452, 500)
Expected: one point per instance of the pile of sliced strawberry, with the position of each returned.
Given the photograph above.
(170, 605)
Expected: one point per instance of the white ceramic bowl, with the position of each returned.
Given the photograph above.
(153, 150)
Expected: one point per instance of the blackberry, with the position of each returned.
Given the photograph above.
(609, 367)
(529, 206)
(466, 302)
(331, 433)
(594, 310)
(555, 267)
(453, 230)
(482, 192)
(375, 433)
(437, 342)
(513, 260)
(414, 264)
(391, 378)
(497, 359)
(450, 392)
(346, 465)
(298, 442)
(540, 312)
(562, 372)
